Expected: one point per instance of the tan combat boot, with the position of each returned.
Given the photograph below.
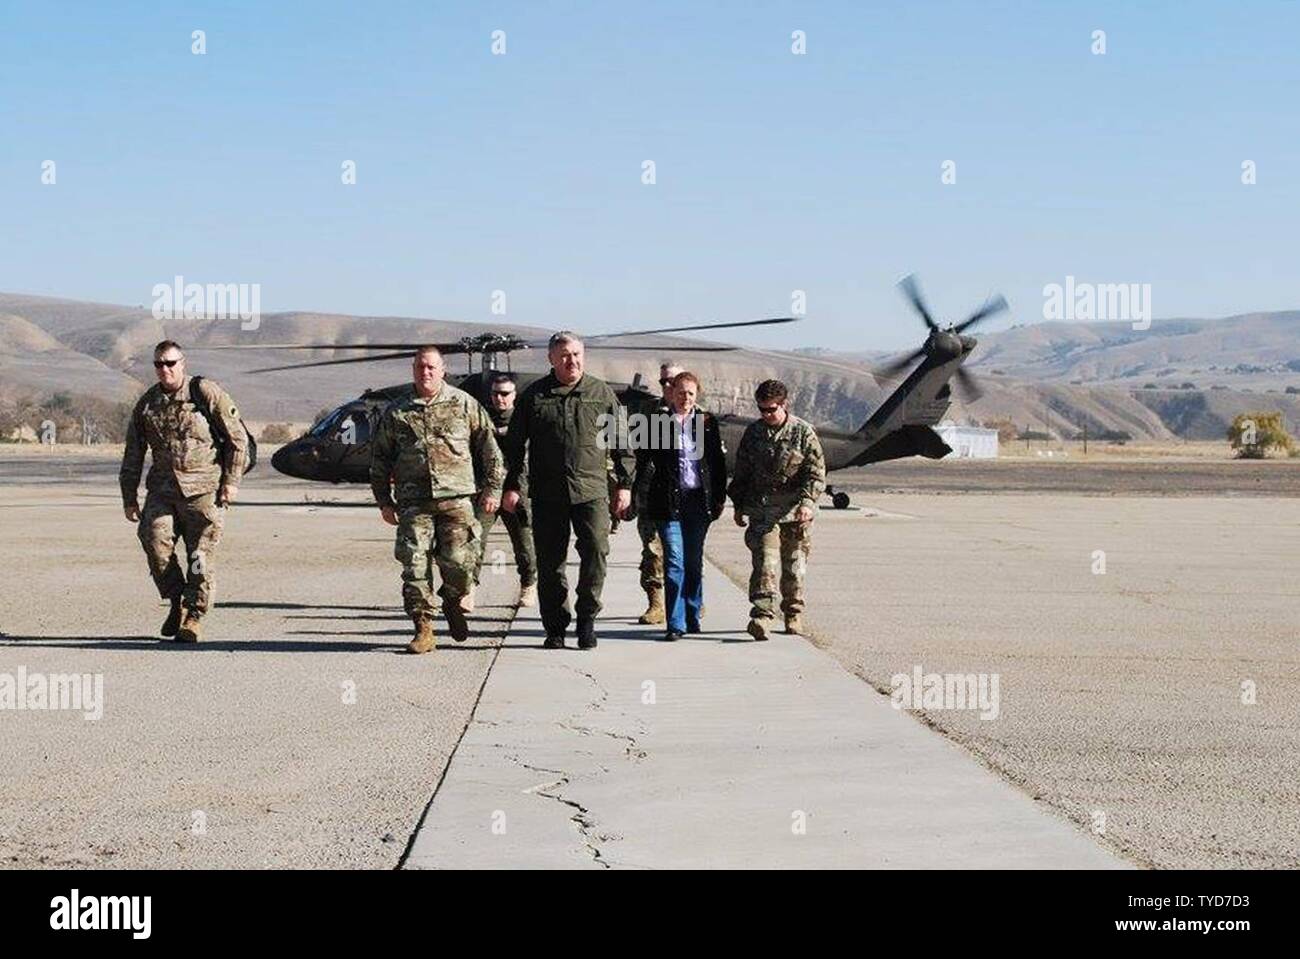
(423, 641)
(758, 629)
(528, 595)
(467, 601)
(655, 612)
(191, 630)
(172, 624)
(794, 625)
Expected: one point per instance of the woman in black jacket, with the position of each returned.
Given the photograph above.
(682, 473)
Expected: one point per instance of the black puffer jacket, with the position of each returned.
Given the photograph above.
(658, 484)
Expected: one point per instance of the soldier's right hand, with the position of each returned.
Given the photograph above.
(390, 515)
(510, 501)
(739, 517)
(132, 513)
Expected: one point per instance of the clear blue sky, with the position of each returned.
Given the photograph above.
(775, 172)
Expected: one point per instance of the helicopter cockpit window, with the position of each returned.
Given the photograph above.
(325, 426)
(353, 428)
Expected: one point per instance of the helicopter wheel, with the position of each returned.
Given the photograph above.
(840, 500)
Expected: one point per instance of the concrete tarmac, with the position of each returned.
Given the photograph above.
(297, 735)
(715, 752)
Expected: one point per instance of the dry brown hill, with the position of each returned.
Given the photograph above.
(1056, 375)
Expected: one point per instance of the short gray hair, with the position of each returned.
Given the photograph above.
(562, 337)
(430, 348)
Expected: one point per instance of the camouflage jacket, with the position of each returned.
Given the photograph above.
(430, 448)
(179, 437)
(779, 469)
(566, 432)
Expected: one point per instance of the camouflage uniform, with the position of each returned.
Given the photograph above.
(181, 489)
(516, 523)
(778, 471)
(422, 463)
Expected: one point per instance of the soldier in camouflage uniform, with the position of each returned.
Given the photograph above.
(652, 549)
(422, 473)
(501, 396)
(198, 460)
(780, 474)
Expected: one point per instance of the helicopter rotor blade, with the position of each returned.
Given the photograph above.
(897, 366)
(351, 359)
(995, 305)
(700, 326)
(913, 292)
(968, 385)
(441, 347)
(660, 349)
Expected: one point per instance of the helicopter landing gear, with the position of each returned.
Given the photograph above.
(839, 498)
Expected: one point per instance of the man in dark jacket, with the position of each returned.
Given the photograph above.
(683, 484)
(562, 426)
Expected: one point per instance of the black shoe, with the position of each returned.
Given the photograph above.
(586, 634)
(672, 636)
(172, 624)
(554, 642)
(457, 624)
(692, 629)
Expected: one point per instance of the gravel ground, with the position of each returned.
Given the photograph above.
(297, 735)
(1121, 693)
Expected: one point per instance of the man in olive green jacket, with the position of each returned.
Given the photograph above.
(422, 464)
(564, 424)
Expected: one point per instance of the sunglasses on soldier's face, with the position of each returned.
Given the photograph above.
(665, 382)
(768, 410)
(159, 364)
(503, 392)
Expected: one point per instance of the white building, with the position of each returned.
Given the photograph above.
(969, 442)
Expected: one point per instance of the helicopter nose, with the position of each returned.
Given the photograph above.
(292, 459)
(968, 343)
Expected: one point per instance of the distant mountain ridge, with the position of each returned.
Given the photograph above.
(1056, 375)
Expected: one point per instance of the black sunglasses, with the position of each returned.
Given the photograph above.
(665, 382)
(768, 410)
(159, 364)
(503, 392)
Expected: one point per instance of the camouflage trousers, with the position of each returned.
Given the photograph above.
(652, 554)
(169, 518)
(779, 552)
(442, 532)
(521, 541)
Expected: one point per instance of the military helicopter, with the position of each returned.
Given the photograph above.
(337, 448)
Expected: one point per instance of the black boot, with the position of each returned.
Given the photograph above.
(172, 624)
(586, 634)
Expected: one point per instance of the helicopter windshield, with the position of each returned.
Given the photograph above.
(328, 423)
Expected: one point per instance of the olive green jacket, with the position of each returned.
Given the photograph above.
(427, 449)
(566, 434)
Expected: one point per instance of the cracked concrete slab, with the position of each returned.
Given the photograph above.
(715, 752)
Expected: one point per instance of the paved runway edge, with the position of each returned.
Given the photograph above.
(714, 752)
